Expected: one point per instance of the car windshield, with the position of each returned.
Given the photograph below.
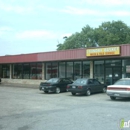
(53, 80)
(80, 81)
(122, 82)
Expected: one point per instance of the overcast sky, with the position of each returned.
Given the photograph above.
(31, 26)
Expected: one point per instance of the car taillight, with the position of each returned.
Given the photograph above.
(128, 89)
(68, 86)
(119, 89)
(80, 87)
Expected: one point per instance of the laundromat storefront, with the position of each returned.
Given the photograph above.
(107, 64)
(113, 66)
(106, 70)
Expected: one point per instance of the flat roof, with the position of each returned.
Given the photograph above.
(63, 55)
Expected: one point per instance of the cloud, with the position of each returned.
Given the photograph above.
(5, 30)
(94, 12)
(80, 11)
(36, 34)
(107, 2)
(25, 6)
(16, 8)
(120, 13)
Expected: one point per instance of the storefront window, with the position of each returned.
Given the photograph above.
(77, 70)
(39, 71)
(62, 69)
(69, 71)
(5, 71)
(0, 71)
(26, 71)
(86, 69)
(17, 71)
(54, 70)
(33, 71)
(126, 68)
(99, 70)
(48, 71)
(112, 63)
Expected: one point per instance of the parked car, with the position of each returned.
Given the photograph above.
(121, 88)
(86, 86)
(56, 85)
(0, 79)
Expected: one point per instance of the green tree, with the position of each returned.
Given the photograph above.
(112, 33)
(78, 40)
(108, 33)
(72, 42)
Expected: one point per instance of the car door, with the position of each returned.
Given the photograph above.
(97, 85)
(91, 85)
(65, 83)
(61, 85)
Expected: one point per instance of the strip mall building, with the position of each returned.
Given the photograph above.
(107, 64)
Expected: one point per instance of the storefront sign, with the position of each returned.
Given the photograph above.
(103, 51)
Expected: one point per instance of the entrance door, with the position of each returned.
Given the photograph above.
(112, 74)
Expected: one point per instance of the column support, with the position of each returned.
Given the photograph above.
(10, 71)
(91, 69)
(43, 78)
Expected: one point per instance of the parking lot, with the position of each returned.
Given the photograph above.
(24, 108)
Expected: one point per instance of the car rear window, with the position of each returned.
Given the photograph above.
(53, 80)
(80, 81)
(122, 82)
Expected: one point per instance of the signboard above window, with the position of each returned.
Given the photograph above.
(106, 51)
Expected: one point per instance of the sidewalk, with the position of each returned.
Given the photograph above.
(20, 85)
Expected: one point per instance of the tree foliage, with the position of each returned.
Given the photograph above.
(108, 33)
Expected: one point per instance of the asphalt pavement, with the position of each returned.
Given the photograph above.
(22, 108)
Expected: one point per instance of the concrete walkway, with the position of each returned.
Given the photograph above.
(20, 85)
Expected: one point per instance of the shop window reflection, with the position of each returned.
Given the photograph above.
(5, 71)
(86, 69)
(126, 68)
(51, 70)
(77, 70)
(39, 71)
(26, 71)
(48, 71)
(99, 70)
(33, 71)
(69, 70)
(62, 69)
(17, 71)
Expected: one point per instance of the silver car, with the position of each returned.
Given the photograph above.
(119, 89)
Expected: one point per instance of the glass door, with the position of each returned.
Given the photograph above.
(112, 74)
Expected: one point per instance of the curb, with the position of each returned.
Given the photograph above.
(20, 85)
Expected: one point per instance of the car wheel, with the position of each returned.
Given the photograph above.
(112, 98)
(57, 90)
(73, 93)
(104, 90)
(88, 92)
(45, 91)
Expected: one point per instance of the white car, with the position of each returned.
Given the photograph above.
(119, 89)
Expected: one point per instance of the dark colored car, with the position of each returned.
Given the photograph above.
(86, 86)
(0, 79)
(56, 85)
